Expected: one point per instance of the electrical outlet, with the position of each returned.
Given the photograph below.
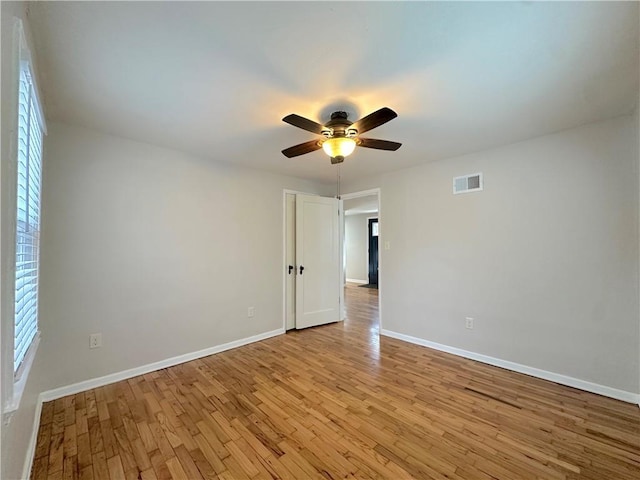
(251, 312)
(468, 322)
(387, 245)
(95, 340)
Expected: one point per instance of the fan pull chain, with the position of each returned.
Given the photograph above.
(338, 184)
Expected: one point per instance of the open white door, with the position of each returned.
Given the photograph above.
(318, 259)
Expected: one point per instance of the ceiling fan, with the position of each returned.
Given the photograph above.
(340, 135)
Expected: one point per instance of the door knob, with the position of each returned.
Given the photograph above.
(301, 269)
(290, 268)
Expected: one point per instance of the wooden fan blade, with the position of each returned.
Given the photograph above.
(304, 123)
(374, 120)
(378, 144)
(302, 148)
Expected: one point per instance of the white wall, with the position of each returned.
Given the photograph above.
(545, 258)
(356, 236)
(160, 251)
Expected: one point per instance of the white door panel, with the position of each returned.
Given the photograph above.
(318, 262)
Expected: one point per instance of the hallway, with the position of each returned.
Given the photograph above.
(362, 308)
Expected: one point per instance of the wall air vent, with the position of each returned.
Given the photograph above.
(467, 183)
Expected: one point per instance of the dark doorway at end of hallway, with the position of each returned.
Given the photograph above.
(373, 253)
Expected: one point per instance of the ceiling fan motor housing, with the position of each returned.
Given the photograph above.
(339, 125)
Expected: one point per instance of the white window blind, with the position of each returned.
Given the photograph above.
(29, 167)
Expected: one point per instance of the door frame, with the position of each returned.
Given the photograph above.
(365, 193)
(285, 192)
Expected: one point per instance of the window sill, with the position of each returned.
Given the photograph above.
(20, 380)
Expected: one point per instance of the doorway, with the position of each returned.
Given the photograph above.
(367, 205)
(373, 251)
(362, 276)
(311, 253)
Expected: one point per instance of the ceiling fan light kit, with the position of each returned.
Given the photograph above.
(339, 146)
(340, 134)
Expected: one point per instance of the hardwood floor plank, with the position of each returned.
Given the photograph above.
(210, 455)
(40, 467)
(239, 455)
(56, 453)
(204, 467)
(116, 472)
(176, 470)
(187, 463)
(125, 451)
(43, 441)
(140, 455)
(46, 415)
(86, 473)
(100, 468)
(147, 438)
(164, 446)
(148, 475)
(160, 465)
(337, 401)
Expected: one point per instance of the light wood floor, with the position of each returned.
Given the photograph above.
(337, 402)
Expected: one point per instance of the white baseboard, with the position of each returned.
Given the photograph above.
(31, 447)
(56, 393)
(355, 280)
(517, 367)
(152, 367)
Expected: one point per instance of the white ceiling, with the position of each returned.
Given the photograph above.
(215, 79)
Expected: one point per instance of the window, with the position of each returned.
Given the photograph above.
(28, 218)
(30, 129)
